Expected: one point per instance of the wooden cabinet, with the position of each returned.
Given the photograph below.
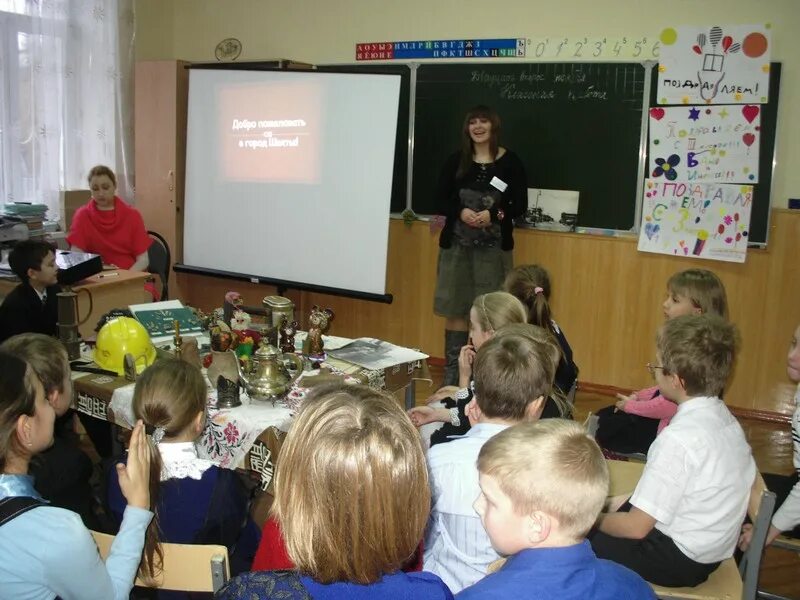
(161, 96)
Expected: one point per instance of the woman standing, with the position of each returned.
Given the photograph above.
(482, 189)
(108, 226)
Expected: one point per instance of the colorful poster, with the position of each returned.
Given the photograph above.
(721, 64)
(705, 143)
(697, 220)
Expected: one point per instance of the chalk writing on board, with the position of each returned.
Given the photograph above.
(532, 86)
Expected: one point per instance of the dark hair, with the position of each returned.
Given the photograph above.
(467, 150)
(17, 398)
(28, 255)
(99, 171)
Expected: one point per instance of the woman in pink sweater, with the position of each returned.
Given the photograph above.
(631, 425)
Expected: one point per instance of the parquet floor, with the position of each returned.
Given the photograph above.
(772, 448)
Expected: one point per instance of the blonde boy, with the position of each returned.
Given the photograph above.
(542, 486)
(685, 515)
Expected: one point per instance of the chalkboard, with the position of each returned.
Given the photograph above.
(399, 180)
(576, 126)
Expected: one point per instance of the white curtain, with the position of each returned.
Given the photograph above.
(66, 96)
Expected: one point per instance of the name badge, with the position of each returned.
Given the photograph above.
(498, 183)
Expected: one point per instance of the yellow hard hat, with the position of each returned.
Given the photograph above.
(121, 336)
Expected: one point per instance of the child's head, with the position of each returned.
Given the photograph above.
(171, 394)
(531, 284)
(351, 494)
(492, 311)
(513, 372)
(695, 355)
(26, 419)
(695, 292)
(34, 262)
(48, 358)
(793, 360)
(542, 485)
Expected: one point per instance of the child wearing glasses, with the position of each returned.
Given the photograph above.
(685, 514)
(633, 422)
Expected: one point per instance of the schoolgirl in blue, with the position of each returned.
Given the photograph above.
(196, 501)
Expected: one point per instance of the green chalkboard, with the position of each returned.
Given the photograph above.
(576, 126)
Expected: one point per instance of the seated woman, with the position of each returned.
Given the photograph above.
(47, 552)
(196, 501)
(108, 226)
(352, 499)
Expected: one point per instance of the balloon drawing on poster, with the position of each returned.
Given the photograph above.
(717, 144)
(696, 220)
(721, 64)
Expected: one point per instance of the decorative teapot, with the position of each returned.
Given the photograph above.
(267, 377)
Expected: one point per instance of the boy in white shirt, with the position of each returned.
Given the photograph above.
(686, 513)
(513, 374)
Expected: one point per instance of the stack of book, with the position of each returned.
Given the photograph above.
(32, 215)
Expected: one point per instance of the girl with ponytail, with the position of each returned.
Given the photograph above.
(531, 284)
(195, 501)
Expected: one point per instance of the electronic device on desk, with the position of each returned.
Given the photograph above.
(77, 266)
(569, 220)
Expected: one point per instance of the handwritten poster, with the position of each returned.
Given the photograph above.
(696, 220)
(705, 143)
(719, 64)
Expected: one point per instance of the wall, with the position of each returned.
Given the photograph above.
(326, 32)
(607, 295)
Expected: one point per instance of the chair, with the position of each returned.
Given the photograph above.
(187, 567)
(160, 260)
(784, 543)
(729, 582)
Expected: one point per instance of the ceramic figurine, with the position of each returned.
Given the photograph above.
(288, 331)
(318, 323)
(222, 338)
(233, 300)
(240, 321)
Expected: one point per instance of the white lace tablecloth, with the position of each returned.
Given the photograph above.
(229, 432)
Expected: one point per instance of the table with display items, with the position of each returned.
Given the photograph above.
(248, 436)
(109, 290)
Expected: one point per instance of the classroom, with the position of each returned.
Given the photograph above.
(352, 494)
(604, 287)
